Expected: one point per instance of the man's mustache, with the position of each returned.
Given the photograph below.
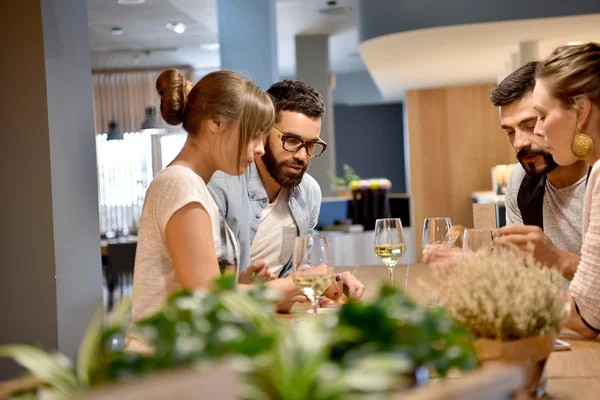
(530, 153)
(294, 162)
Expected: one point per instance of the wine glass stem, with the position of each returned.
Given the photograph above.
(315, 306)
(391, 270)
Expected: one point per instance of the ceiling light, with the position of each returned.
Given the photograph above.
(210, 46)
(116, 31)
(113, 131)
(177, 27)
(333, 8)
(131, 2)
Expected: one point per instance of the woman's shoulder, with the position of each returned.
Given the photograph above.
(177, 177)
(178, 173)
(176, 182)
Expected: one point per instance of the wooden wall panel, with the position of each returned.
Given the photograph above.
(454, 140)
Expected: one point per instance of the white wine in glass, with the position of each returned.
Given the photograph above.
(390, 254)
(389, 243)
(312, 269)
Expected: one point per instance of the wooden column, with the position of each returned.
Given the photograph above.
(454, 139)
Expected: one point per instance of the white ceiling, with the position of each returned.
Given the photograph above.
(466, 54)
(146, 38)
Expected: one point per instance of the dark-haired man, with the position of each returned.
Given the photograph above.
(544, 201)
(276, 200)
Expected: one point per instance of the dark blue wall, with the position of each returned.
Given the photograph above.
(380, 17)
(370, 139)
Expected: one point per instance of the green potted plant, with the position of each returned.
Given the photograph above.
(342, 184)
(513, 305)
(392, 323)
(364, 351)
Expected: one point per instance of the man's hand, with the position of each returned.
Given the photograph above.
(443, 258)
(257, 270)
(285, 305)
(532, 239)
(523, 236)
(441, 253)
(348, 285)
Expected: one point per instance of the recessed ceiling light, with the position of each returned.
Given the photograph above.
(130, 2)
(116, 31)
(335, 10)
(177, 27)
(210, 46)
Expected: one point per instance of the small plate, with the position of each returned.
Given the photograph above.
(561, 345)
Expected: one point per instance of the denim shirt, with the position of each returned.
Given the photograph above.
(241, 200)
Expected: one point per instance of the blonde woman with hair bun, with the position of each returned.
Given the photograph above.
(567, 100)
(226, 117)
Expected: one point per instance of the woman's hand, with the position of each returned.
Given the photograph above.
(257, 270)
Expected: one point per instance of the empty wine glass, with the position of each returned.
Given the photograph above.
(389, 243)
(437, 231)
(479, 241)
(312, 267)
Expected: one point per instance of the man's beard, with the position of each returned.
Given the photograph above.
(530, 168)
(277, 171)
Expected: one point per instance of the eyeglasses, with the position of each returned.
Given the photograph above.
(293, 145)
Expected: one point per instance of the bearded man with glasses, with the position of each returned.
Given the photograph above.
(276, 200)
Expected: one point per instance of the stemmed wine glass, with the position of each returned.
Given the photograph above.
(312, 267)
(438, 231)
(389, 243)
(478, 241)
(227, 253)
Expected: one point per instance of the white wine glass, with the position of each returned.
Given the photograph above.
(312, 267)
(478, 241)
(389, 243)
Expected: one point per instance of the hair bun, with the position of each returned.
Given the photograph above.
(173, 89)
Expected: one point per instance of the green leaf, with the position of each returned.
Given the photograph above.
(121, 314)
(90, 349)
(44, 366)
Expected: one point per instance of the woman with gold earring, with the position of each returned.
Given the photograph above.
(567, 100)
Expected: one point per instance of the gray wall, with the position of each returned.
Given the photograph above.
(248, 38)
(371, 140)
(381, 17)
(50, 271)
(312, 67)
(356, 88)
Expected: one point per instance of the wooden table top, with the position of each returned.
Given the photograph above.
(572, 374)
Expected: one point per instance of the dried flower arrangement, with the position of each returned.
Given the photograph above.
(506, 295)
